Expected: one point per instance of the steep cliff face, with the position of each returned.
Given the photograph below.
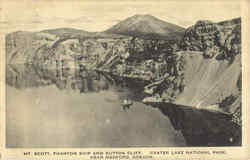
(216, 79)
(205, 103)
(222, 40)
(209, 80)
(122, 55)
(128, 55)
(209, 70)
(21, 47)
(37, 47)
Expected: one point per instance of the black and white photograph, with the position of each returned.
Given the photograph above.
(122, 75)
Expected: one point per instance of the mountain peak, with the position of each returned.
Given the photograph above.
(144, 25)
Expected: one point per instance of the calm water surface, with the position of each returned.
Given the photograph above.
(73, 108)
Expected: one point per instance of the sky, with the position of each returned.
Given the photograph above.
(94, 16)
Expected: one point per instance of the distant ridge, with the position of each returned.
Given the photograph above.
(67, 31)
(147, 26)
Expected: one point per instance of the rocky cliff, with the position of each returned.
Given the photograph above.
(210, 85)
(222, 40)
(201, 71)
(125, 55)
(22, 46)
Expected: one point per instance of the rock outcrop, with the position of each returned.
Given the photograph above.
(21, 47)
(130, 56)
(222, 40)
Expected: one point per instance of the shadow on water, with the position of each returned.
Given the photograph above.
(201, 127)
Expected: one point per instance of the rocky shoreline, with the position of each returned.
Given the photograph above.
(195, 81)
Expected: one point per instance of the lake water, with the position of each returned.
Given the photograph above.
(76, 108)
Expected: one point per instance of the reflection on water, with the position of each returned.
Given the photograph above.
(79, 108)
(81, 81)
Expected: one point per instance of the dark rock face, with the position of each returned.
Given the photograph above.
(214, 39)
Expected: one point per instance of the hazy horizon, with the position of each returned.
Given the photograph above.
(99, 16)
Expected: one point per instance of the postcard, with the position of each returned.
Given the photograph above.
(124, 80)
